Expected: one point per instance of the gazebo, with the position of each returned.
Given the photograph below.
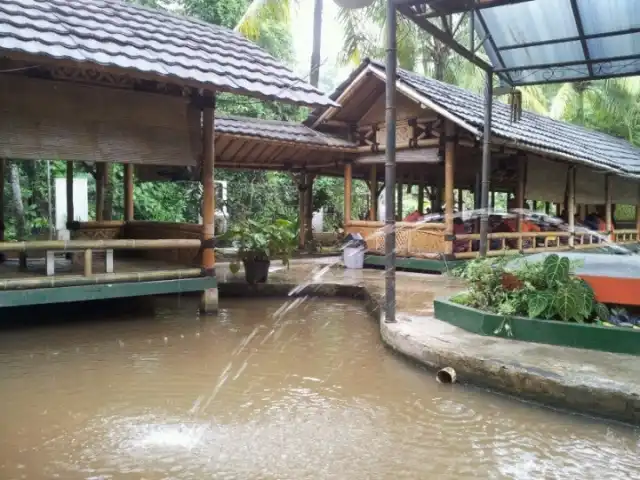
(526, 42)
(107, 82)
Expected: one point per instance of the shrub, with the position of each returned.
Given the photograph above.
(548, 290)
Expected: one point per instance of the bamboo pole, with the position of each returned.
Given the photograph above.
(70, 214)
(638, 215)
(347, 191)
(449, 166)
(571, 207)
(71, 280)
(209, 299)
(116, 244)
(520, 193)
(608, 206)
(399, 197)
(2, 182)
(373, 191)
(421, 197)
(128, 192)
(301, 210)
(100, 183)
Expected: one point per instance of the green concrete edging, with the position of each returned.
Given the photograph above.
(101, 291)
(564, 334)
(415, 264)
(606, 399)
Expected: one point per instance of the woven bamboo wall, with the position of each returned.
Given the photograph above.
(427, 241)
(157, 230)
(43, 119)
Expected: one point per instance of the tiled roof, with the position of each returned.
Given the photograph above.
(279, 130)
(533, 131)
(116, 34)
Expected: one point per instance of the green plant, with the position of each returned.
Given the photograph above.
(547, 290)
(261, 241)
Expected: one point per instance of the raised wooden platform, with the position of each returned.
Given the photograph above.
(132, 278)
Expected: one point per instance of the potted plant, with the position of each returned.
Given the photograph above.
(258, 243)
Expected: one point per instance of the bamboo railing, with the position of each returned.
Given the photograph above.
(427, 240)
(50, 247)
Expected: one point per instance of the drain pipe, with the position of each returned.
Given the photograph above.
(390, 168)
(446, 375)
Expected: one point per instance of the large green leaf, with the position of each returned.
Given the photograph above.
(601, 311)
(567, 303)
(586, 297)
(556, 269)
(537, 303)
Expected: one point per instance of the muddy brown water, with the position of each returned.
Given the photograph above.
(311, 394)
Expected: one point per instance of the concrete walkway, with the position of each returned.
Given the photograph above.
(598, 383)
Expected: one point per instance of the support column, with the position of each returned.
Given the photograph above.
(421, 197)
(486, 164)
(608, 205)
(128, 192)
(571, 205)
(520, 192)
(302, 185)
(638, 217)
(348, 181)
(2, 182)
(449, 201)
(209, 300)
(390, 167)
(101, 173)
(373, 191)
(460, 201)
(399, 195)
(70, 214)
(308, 212)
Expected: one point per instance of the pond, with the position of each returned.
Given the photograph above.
(310, 393)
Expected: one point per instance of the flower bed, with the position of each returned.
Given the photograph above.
(538, 302)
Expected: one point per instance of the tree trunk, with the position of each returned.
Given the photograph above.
(18, 206)
(314, 74)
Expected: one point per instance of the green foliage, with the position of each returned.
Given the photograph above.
(547, 290)
(260, 241)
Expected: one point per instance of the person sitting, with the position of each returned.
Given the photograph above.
(459, 229)
(414, 216)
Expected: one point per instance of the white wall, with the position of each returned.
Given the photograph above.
(80, 201)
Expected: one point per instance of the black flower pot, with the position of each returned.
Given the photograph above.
(256, 271)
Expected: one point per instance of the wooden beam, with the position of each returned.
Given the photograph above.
(209, 301)
(373, 192)
(348, 179)
(70, 214)
(100, 184)
(571, 205)
(608, 205)
(520, 193)
(128, 192)
(421, 197)
(449, 169)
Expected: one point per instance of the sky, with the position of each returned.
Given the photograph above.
(332, 37)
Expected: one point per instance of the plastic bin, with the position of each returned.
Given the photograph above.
(353, 257)
(353, 253)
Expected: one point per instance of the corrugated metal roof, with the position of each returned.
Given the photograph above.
(279, 130)
(116, 34)
(532, 132)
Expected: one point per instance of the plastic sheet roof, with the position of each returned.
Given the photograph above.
(544, 41)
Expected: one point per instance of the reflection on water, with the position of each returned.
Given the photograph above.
(310, 394)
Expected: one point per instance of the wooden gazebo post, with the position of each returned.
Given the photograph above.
(449, 166)
(348, 180)
(209, 301)
(608, 206)
(421, 197)
(128, 192)
(571, 205)
(70, 214)
(520, 193)
(101, 173)
(399, 202)
(373, 191)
